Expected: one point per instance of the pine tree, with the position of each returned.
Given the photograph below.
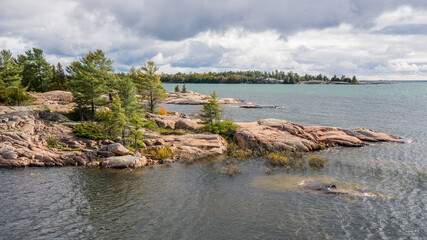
(59, 80)
(148, 84)
(37, 72)
(88, 80)
(3, 91)
(136, 122)
(127, 93)
(11, 90)
(117, 120)
(177, 88)
(184, 89)
(211, 111)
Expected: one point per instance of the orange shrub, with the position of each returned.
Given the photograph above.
(163, 111)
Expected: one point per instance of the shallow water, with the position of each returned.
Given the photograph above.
(198, 202)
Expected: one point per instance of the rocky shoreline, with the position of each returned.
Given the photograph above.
(25, 133)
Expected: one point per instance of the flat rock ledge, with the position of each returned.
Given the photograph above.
(194, 98)
(281, 135)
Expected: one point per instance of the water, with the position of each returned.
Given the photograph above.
(198, 202)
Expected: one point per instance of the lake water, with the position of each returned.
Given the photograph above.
(198, 202)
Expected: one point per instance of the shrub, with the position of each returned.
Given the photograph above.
(75, 114)
(224, 128)
(285, 160)
(231, 170)
(164, 131)
(150, 124)
(161, 153)
(91, 131)
(163, 111)
(52, 141)
(315, 162)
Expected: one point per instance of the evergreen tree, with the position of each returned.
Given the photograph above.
(11, 90)
(148, 84)
(177, 88)
(184, 88)
(127, 93)
(211, 111)
(88, 80)
(354, 80)
(136, 122)
(59, 80)
(37, 72)
(9, 70)
(117, 120)
(3, 91)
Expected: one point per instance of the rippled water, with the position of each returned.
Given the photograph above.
(198, 202)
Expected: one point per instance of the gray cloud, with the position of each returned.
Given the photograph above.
(187, 34)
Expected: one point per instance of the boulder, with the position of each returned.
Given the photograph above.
(124, 162)
(189, 124)
(53, 116)
(115, 149)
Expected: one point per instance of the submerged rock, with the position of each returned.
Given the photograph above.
(326, 188)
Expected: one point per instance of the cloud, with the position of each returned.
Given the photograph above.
(370, 39)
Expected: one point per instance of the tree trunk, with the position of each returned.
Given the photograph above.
(81, 112)
(93, 108)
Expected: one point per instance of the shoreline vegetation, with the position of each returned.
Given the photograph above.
(94, 117)
(256, 77)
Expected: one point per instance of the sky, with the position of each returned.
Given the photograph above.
(372, 39)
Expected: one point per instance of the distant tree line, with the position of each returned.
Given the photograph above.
(251, 77)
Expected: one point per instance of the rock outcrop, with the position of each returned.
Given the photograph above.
(189, 146)
(57, 101)
(28, 140)
(280, 135)
(194, 98)
(174, 122)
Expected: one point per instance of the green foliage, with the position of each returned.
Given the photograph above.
(11, 90)
(148, 84)
(37, 72)
(224, 128)
(150, 124)
(91, 131)
(90, 77)
(211, 111)
(127, 93)
(244, 77)
(115, 119)
(177, 88)
(59, 80)
(184, 88)
(315, 162)
(9, 70)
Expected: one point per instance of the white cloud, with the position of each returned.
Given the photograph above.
(381, 40)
